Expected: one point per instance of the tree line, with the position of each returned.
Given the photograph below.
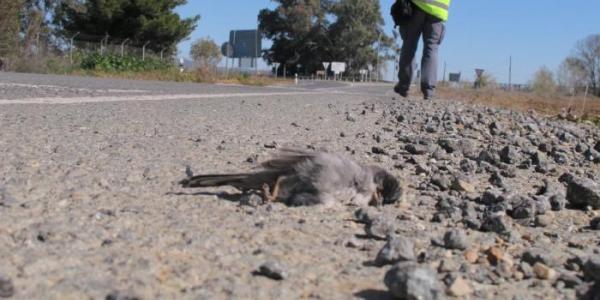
(579, 72)
(28, 23)
(307, 33)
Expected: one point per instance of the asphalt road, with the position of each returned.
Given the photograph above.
(21, 88)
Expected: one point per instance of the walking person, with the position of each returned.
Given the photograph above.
(427, 20)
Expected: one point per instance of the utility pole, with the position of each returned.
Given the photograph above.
(444, 78)
(510, 74)
(378, 50)
(256, 49)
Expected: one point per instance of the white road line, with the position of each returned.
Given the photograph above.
(58, 87)
(77, 100)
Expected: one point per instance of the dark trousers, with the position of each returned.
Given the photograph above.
(432, 29)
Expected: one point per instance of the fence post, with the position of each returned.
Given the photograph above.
(123, 46)
(71, 47)
(144, 50)
(587, 89)
(105, 40)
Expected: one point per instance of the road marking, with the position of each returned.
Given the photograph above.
(78, 100)
(57, 87)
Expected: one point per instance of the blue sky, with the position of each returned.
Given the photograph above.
(480, 33)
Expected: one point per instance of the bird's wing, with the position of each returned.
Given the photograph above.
(287, 159)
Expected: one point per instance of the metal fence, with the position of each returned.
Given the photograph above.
(38, 53)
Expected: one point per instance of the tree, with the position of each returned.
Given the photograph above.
(306, 33)
(571, 74)
(298, 30)
(35, 28)
(586, 59)
(206, 52)
(358, 34)
(543, 81)
(140, 21)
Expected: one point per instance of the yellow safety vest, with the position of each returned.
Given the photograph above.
(437, 8)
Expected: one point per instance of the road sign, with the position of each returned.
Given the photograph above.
(454, 77)
(479, 72)
(245, 43)
(227, 49)
(326, 66)
(338, 67)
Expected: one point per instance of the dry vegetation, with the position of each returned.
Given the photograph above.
(187, 76)
(577, 108)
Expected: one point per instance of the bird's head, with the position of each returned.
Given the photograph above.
(388, 187)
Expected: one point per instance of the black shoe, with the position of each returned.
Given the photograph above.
(400, 92)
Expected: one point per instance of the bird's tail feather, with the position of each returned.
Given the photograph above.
(214, 180)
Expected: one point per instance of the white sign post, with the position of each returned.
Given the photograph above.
(338, 68)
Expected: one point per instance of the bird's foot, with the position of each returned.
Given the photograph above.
(267, 196)
(272, 196)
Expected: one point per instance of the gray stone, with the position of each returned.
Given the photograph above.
(527, 270)
(450, 145)
(569, 279)
(366, 215)
(557, 202)
(468, 166)
(415, 149)
(7, 289)
(408, 280)
(524, 210)
(592, 155)
(498, 224)
(589, 291)
(595, 223)
(448, 265)
(380, 228)
(489, 156)
(541, 255)
(119, 295)
(443, 182)
(456, 239)
(272, 269)
(396, 249)
(591, 269)
(490, 197)
(6, 199)
(510, 155)
(251, 199)
(497, 179)
(583, 192)
(543, 221)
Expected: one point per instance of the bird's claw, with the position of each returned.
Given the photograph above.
(267, 196)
